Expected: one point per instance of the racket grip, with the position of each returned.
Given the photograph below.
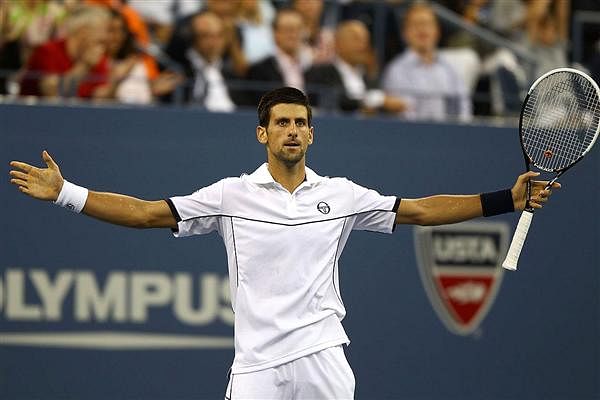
(514, 251)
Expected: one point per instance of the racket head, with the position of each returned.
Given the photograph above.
(560, 119)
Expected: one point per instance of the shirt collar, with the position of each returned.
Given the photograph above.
(198, 62)
(262, 176)
(413, 57)
(344, 66)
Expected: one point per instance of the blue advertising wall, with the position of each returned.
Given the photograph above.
(94, 311)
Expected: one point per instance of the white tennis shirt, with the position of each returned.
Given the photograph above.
(283, 250)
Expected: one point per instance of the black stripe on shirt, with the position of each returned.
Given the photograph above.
(173, 210)
(395, 210)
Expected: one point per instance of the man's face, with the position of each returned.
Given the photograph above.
(288, 32)
(421, 30)
(288, 135)
(209, 40)
(92, 35)
(353, 44)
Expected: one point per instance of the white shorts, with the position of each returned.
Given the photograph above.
(322, 375)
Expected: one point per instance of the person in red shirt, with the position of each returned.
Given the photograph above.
(75, 65)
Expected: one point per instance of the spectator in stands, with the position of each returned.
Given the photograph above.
(351, 79)
(135, 22)
(319, 37)
(291, 59)
(547, 27)
(132, 79)
(24, 25)
(204, 66)
(182, 37)
(31, 23)
(382, 12)
(74, 66)
(254, 22)
(431, 87)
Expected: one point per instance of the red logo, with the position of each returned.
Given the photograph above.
(460, 266)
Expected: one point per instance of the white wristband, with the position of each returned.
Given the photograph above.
(72, 197)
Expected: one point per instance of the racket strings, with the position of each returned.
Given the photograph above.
(559, 145)
(560, 120)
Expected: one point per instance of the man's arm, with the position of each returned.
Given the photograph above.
(46, 184)
(450, 209)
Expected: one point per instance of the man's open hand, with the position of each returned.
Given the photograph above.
(41, 183)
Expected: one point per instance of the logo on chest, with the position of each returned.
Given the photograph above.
(323, 208)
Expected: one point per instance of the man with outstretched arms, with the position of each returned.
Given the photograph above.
(284, 228)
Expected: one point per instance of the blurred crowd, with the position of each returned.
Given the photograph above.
(393, 57)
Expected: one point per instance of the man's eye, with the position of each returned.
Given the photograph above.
(300, 123)
(282, 123)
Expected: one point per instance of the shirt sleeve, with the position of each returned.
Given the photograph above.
(374, 212)
(198, 213)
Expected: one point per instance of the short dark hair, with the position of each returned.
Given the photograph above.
(284, 95)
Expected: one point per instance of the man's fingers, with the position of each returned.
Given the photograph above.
(535, 204)
(18, 175)
(22, 166)
(543, 184)
(48, 160)
(527, 176)
(19, 182)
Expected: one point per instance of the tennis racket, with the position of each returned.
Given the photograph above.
(559, 124)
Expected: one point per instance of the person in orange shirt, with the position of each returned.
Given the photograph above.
(133, 81)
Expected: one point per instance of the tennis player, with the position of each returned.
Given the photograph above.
(284, 228)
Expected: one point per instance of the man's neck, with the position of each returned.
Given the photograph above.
(426, 56)
(288, 176)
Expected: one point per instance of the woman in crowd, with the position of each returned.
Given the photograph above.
(134, 79)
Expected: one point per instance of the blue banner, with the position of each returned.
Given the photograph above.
(94, 311)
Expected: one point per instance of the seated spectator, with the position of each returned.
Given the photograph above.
(547, 30)
(204, 65)
(132, 79)
(182, 37)
(347, 78)
(254, 23)
(381, 12)
(24, 25)
(74, 66)
(319, 37)
(431, 87)
(135, 23)
(287, 66)
(32, 23)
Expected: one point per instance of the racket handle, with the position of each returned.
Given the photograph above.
(514, 251)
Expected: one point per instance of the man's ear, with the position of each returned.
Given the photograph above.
(261, 134)
(311, 135)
